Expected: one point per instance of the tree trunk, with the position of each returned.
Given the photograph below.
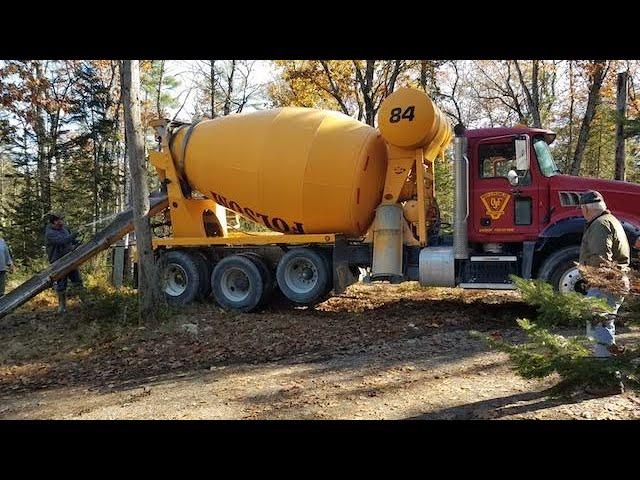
(366, 84)
(159, 91)
(597, 77)
(599, 150)
(227, 101)
(535, 94)
(394, 78)
(621, 110)
(423, 75)
(532, 95)
(571, 100)
(427, 78)
(44, 179)
(149, 295)
(95, 187)
(370, 114)
(213, 88)
(2, 191)
(334, 91)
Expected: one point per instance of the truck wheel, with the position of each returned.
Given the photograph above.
(266, 273)
(560, 270)
(180, 278)
(204, 267)
(304, 276)
(237, 283)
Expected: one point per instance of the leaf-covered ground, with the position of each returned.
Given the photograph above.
(378, 351)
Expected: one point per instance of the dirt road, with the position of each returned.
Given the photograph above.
(376, 352)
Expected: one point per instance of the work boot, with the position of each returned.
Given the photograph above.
(62, 302)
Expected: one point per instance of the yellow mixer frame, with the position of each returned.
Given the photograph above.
(415, 131)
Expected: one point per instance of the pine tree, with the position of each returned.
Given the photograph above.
(570, 309)
(545, 351)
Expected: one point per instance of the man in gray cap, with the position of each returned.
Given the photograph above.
(61, 241)
(604, 240)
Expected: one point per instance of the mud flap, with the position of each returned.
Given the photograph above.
(528, 249)
(342, 276)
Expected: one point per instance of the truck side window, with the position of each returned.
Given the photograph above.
(496, 161)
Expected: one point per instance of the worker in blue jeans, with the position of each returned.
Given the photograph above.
(603, 333)
(603, 240)
(60, 241)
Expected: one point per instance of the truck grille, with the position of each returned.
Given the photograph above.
(489, 271)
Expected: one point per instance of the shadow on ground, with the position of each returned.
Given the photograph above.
(496, 408)
(76, 352)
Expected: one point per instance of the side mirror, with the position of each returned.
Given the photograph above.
(522, 153)
(513, 178)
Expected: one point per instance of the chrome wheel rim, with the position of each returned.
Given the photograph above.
(175, 280)
(301, 275)
(569, 280)
(235, 285)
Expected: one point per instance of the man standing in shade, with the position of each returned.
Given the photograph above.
(60, 241)
(604, 240)
(5, 264)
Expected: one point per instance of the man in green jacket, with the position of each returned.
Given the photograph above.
(604, 240)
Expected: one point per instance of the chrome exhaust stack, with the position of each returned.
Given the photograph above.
(461, 201)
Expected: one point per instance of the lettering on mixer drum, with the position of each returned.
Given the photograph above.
(272, 223)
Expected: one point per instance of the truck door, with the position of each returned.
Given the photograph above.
(502, 212)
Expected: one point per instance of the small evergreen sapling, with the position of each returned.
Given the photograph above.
(554, 309)
(544, 352)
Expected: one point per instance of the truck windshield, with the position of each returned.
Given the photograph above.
(545, 159)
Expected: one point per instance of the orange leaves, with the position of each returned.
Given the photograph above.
(312, 83)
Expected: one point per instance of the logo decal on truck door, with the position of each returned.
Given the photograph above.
(495, 203)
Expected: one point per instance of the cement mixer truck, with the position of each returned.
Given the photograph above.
(338, 198)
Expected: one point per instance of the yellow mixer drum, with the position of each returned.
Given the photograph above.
(294, 170)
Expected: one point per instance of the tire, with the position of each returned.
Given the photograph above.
(181, 278)
(204, 267)
(560, 271)
(267, 276)
(304, 276)
(237, 283)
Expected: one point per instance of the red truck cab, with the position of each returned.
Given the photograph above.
(536, 215)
